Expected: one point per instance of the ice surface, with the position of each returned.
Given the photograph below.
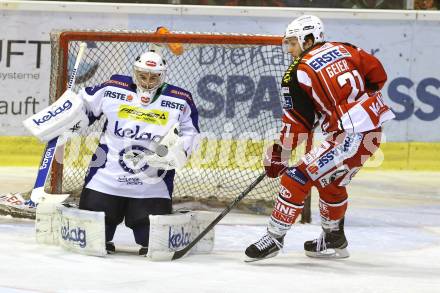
(392, 225)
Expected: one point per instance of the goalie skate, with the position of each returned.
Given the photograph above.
(267, 247)
(110, 247)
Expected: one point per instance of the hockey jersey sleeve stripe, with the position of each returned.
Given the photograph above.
(304, 79)
(194, 116)
(122, 82)
(91, 90)
(318, 100)
(326, 90)
(289, 117)
(176, 92)
(326, 93)
(119, 81)
(301, 119)
(122, 79)
(179, 93)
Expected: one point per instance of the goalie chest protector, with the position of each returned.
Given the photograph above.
(118, 166)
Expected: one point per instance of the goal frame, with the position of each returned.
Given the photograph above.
(65, 37)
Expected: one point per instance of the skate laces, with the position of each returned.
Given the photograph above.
(279, 244)
(320, 242)
(267, 241)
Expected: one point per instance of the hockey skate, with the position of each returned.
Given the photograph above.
(143, 250)
(268, 246)
(110, 247)
(330, 244)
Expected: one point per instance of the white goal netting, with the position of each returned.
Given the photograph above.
(235, 82)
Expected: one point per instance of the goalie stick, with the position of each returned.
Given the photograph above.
(14, 201)
(178, 254)
(49, 152)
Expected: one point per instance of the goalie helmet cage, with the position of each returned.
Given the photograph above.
(235, 83)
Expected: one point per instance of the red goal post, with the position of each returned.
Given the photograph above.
(235, 82)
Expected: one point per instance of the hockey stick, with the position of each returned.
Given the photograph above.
(178, 254)
(15, 201)
(49, 152)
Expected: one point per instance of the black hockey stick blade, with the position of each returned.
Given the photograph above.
(178, 254)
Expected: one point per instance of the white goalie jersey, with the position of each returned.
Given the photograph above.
(120, 164)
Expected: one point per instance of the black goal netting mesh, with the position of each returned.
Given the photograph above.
(236, 89)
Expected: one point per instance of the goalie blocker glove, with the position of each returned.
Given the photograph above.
(64, 117)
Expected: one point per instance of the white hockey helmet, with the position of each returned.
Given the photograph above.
(303, 26)
(155, 65)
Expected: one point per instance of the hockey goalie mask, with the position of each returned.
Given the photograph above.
(301, 27)
(149, 72)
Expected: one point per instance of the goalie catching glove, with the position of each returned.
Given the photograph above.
(176, 156)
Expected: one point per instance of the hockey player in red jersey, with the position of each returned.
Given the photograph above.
(335, 86)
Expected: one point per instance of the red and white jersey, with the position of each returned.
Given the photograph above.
(341, 83)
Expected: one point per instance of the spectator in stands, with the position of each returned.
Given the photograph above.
(276, 3)
(314, 3)
(373, 4)
(270, 3)
(425, 5)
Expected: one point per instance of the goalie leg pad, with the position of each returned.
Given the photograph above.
(47, 223)
(75, 230)
(82, 231)
(201, 220)
(169, 233)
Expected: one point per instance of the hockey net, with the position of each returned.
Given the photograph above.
(235, 82)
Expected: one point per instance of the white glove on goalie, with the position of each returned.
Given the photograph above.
(176, 156)
(65, 116)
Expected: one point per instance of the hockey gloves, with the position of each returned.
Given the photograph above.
(276, 160)
(176, 156)
(64, 117)
(174, 159)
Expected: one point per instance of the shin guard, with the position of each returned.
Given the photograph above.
(283, 216)
(331, 214)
